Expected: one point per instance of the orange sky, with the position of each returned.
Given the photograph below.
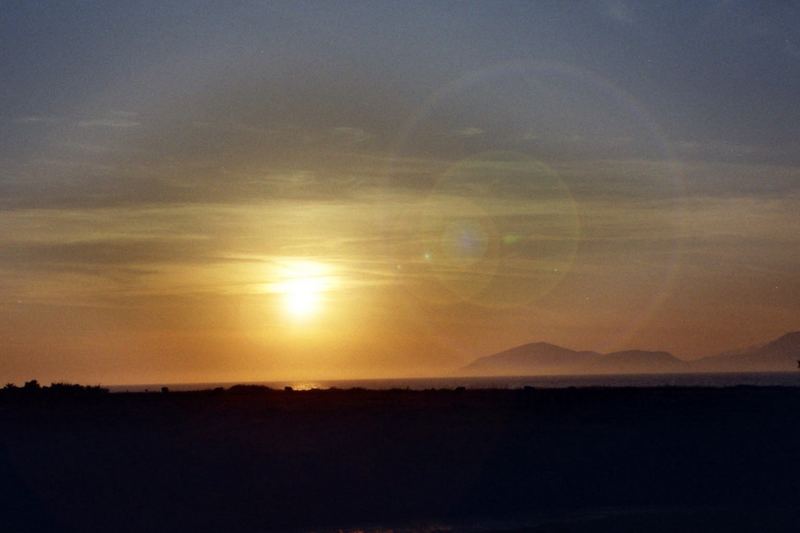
(402, 284)
(292, 204)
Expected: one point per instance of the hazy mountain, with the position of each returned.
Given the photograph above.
(637, 362)
(533, 358)
(544, 358)
(779, 354)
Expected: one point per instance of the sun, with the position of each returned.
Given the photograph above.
(302, 287)
(302, 296)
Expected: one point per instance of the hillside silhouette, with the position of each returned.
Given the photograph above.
(781, 354)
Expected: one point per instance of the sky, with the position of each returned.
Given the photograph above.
(208, 191)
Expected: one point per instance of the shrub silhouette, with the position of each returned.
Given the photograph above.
(33, 388)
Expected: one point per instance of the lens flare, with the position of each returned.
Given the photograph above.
(498, 229)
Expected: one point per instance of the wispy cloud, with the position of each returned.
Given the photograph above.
(468, 132)
(349, 135)
(113, 122)
(36, 119)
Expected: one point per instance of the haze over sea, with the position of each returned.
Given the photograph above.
(726, 379)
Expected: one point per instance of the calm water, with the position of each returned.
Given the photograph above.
(786, 379)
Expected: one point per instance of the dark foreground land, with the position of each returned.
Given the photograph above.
(658, 459)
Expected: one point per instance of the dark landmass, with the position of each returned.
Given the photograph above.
(779, 355)
(254, 459)
(536, 358)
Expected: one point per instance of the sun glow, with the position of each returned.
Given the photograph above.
(303, 286)
(302, 296)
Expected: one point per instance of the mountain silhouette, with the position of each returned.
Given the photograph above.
(545, 358)
(638, 362)
(535, 358)
(779, 354)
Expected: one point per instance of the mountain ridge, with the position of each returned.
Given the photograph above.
(779, 354)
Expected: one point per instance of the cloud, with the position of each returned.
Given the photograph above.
(468, 132)
(350, 136)
(109, 252)
(109, 123)
(36, 119)
(124, 114)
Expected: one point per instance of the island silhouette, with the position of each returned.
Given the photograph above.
(541, 358)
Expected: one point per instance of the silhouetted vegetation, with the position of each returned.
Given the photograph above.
(34, 389)
(245, 389)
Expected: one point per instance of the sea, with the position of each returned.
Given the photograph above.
(728, 379)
